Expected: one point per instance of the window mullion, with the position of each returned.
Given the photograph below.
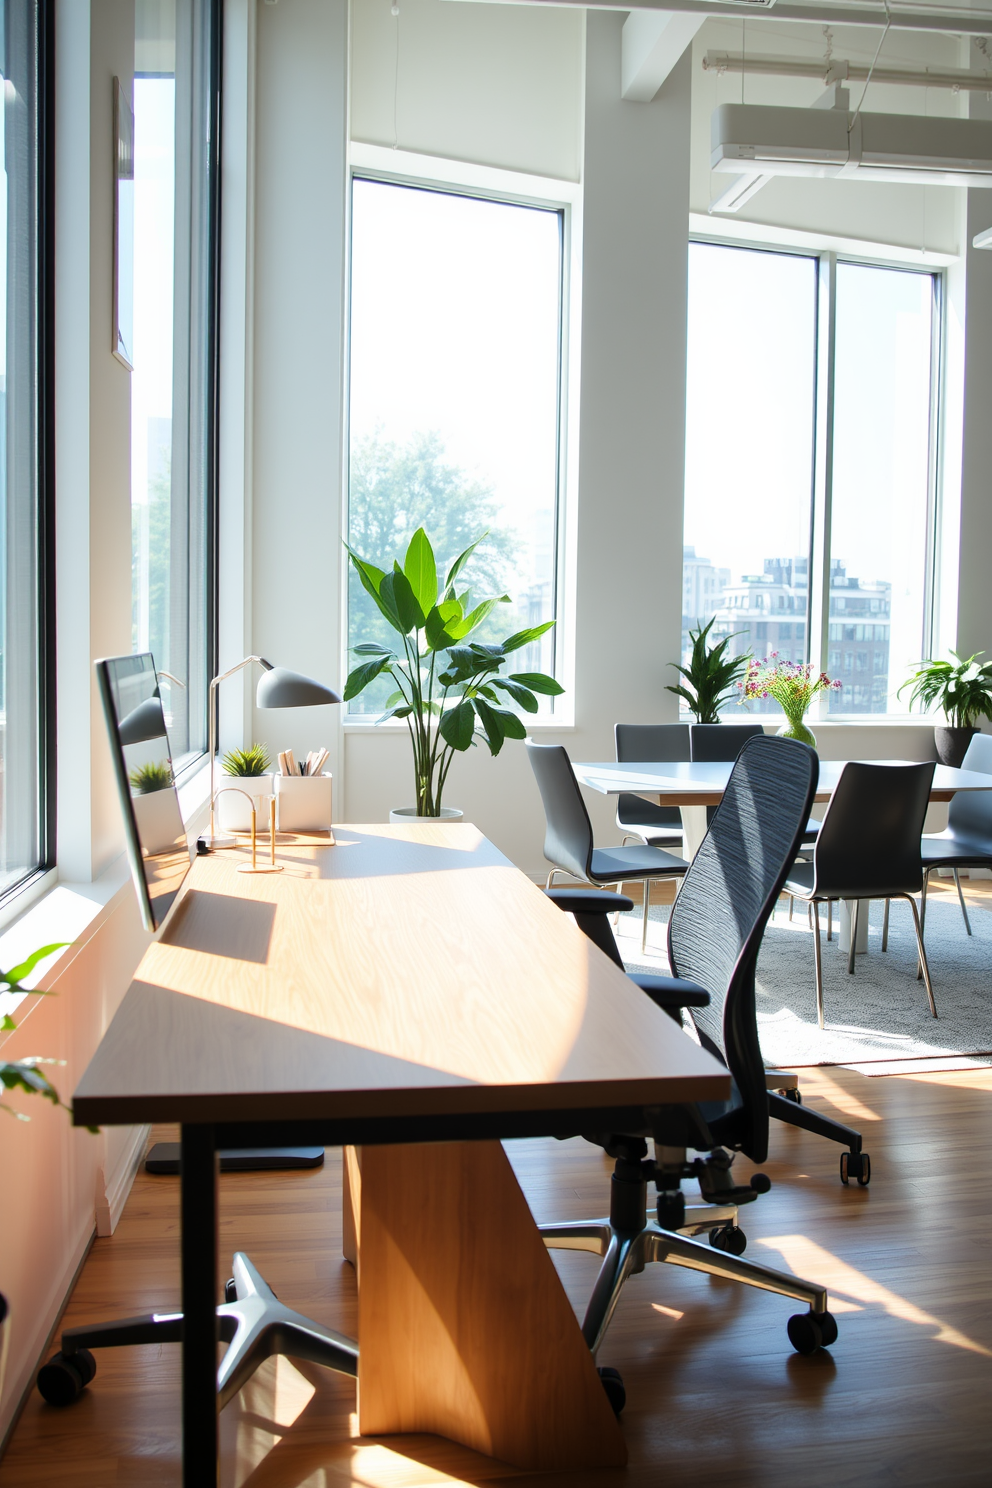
(819, 562)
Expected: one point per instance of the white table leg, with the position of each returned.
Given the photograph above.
(846, 909)
(694, 828)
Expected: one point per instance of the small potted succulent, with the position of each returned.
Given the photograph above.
(250, 770)
(711, 676)
(964, 695)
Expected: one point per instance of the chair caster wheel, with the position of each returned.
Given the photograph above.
(230, 1290)
(809, 1331)
(613, 1385)
(795, 1096)
(64, 1378)
(855, 1165)
(729, 1238)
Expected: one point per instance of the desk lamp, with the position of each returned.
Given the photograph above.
(277, 688)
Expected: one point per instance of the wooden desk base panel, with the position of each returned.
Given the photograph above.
(464, 1328)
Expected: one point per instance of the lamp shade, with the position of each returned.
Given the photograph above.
(281, 688)
(145, 722)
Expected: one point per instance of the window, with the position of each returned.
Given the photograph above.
(172, 439)
(771, 335)
(456, 333)
(26, 637)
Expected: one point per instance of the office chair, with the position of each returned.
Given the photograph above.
(568, 841)
(967, 840)
(742, 863)
(658, 826)
(868, 848)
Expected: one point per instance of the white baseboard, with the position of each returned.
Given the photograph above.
(111, 1194)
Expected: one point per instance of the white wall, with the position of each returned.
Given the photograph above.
(494, 84)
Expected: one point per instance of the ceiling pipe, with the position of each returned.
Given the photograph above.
(839, 71)
(940, 19)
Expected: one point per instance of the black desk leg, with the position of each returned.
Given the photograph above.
(198, 1184)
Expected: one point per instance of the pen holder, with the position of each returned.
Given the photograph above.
(304, 803)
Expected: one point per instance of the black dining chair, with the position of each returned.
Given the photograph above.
(655, 743)
(568, 841)
(967, 840)
(742, 863)
(868, 848)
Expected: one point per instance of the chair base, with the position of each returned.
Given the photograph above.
(252, 1322)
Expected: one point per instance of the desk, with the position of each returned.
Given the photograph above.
(695, 785)
(406, 985)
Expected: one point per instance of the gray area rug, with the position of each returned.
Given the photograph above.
(878, 1015)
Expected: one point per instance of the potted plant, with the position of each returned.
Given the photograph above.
(448, 687)
(22, 1074)
(711, 675)
(250, 770)
(962, 692)
(793, 685)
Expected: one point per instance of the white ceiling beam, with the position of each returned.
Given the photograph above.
(653, 41)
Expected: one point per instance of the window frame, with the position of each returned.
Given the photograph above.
(827, 258)
(462, 178)
(35, 876)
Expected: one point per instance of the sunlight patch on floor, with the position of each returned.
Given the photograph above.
(805, 1258)
(814, 1080)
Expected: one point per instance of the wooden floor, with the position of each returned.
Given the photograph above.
(715, 1393)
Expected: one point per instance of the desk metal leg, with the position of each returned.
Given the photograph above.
(198, 1185)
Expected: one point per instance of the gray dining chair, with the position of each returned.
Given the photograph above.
(966, 842)
(868, 848)
(568, 841)
(655, 743)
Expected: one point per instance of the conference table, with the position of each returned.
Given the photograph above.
(406, 993)
(694, 785)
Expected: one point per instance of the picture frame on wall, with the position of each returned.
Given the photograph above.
(122, 339)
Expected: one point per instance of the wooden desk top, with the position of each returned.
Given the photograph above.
(406, 971)
(702, 782)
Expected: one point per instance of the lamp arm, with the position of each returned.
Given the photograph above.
(212, 718)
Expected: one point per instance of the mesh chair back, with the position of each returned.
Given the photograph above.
(644, 743)
(720, 741)
(719, 917)
(568, 837)
(869, 844)
(970, 812)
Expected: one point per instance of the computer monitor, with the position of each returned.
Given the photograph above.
(139, 744)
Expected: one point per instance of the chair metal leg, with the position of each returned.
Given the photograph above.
(644, 918)
(964, 907)
(855, 912)
(924, 965)
(551, 878)
(830, 919)
(676, 1250)
(818, 961)
(885, 927)
(923, 917)
(792, 905)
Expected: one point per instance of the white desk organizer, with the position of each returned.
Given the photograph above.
(304, 803)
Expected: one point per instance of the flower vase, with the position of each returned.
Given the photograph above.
(795, 728)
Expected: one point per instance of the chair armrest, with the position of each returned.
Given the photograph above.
(671, 992)
(589, 901)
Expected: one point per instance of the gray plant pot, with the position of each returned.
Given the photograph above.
(952, 744)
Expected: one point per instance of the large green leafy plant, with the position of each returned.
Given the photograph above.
(26, 1074)
(448, 686)
(711, 678)
(962, 692)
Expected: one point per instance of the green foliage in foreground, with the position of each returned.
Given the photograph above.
(25, 1074)
(448, 687)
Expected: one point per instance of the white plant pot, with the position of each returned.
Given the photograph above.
(304, 803)
(234, 810)
(401, 814)
(159, 821)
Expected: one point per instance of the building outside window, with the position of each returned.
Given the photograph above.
(455, 396)
(172, 441)
(27, 843)
(759, 356)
